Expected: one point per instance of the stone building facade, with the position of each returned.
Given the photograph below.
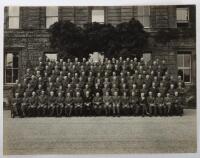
(26, 36)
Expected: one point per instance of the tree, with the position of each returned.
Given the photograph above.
(132, 37)
(99, 37)
(128, 38)
(67, 39)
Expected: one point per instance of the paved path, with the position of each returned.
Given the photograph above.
(82, 135)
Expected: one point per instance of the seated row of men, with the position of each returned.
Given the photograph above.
(116, 105)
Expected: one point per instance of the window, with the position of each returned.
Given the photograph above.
(184, 66)
(11, 67)
(143, 15)
(98, 16)
(51, 16)
(13, 17)
(147, 56)
(51, 56)
(182, 17)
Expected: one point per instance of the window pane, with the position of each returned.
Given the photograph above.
(187, 61)
(182, 14)
(13, 11)
(147, 57)
(98, 16)
(140, 11)
(147, 11)
(140, 19)
(13, 22)
(50, 21)
(180, 73)
(146, 22)
(51, 11)
(15, 75)
(8, 75)
(9, 60)
(180, 60)
(15, 61)
(51, 56)
(187, 75)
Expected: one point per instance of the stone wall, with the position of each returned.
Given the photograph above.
(34, 17)
(30, 44)
(31, 40)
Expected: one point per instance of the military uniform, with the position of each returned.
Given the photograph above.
(70, 90)
(114, 89)
(178, 105)
(134, 105)
(42, 107)
(171, 91)
(16, 102)
(65, 83)
(148, 83)
(125, 105)
(51, 105)
(19, 90)
(51, 88)
(97, 90)
(160, 105)
(104, 90)
(162, 91)
(180, 91)
(135, 90)
(29, 91)
(38, 91)
(168, 101)
(33, 103)
(27, 76)
(139, 83)
(116, 105)
(78, 105)
(33, 83)
(97, 105)
(144, 90)
(87, 105)
(152, 105)
(143, 105)
(154, 91)
(107, 100)
(24, 105)
(59, 105)
(68, 106)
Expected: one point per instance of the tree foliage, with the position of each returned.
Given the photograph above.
(71, 41)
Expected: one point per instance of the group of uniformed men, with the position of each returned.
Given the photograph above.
(114, 87)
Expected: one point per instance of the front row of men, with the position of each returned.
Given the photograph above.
(116, 105)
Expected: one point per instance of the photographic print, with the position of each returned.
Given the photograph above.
(99, 79)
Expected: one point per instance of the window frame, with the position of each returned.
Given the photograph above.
(12, 68)
(51, 16)
(183, 54)
(143, 16)
(183, 22)
(14, 16)
(51, 53)
(188, 15)
(93, 9)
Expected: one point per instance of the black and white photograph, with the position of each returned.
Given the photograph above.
(99, 79)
